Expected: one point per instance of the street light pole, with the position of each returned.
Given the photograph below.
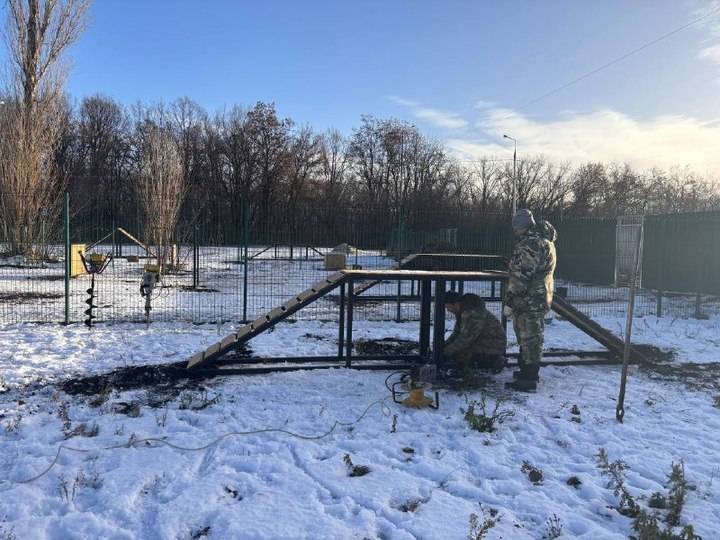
(514, 178)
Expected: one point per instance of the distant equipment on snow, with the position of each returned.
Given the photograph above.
(337, 258)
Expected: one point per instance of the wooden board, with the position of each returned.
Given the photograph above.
(486, 275)
(267, 320)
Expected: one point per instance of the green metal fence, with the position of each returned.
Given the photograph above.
(586, 250)
(233, 266)
(681, 253)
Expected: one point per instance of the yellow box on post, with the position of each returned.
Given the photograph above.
(76, 265)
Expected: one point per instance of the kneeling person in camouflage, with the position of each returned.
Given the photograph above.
(478, 340)
(529, 293)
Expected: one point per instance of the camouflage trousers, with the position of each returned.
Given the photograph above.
(529, 331)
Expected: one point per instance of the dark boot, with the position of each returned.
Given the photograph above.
(522, 385)
(494, 363)
(532, 374)
(498, 364)
(526, 379)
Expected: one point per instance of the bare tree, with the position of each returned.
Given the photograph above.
(104, 154)
(484, 189)
(304, 158)
(161, 188)
(587, 185)
(38, 33)
(333, 167)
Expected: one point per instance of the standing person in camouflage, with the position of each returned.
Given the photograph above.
(530, 292)
(478, 340)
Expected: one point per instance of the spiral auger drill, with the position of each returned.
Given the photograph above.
(94, 263)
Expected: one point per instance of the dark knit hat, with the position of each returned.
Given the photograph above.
(523, 219)
(451, 297)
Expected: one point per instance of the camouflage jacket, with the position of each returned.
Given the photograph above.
(531, 283)
(476, 332)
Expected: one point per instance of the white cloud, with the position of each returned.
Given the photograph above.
(436, 117)
(710, 53)
(441, 118)
(710, 50)
(403, 102)
(480, 104)
(605, 135)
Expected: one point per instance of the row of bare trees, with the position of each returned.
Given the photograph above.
(253, 154)
(167, 161)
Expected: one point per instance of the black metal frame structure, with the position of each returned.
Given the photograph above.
(215, 363)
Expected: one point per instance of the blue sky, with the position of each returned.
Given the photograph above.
(461, 70)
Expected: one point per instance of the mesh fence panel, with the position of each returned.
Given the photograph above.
(234, 266)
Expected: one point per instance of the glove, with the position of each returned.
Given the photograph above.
(507, 311)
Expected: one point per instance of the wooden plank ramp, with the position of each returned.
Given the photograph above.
(584, 323)
(267, 321)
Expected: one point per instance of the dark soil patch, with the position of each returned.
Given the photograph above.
(47, 277)
(129, 378)
(389, 346)
(695, 376)
(574, 481)
(654, 353)
(166, 381)
(28, 296)
(23, 266)
(190, 288)
(314, 336)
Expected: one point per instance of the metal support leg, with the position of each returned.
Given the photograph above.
(698, 306)
(349, 334)
(425, 300)
(196, 259)
(439, 324)
(398, 312)
(503, 318)
(341, 324)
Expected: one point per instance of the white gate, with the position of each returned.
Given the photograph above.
(626, 237)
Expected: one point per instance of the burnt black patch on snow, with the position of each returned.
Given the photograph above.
(190, 288)
(654, 353)
(128, 378)
(695, 376)
(48, 277)
(165, 380)
(316, 337)
(28, 296)
(389, 346)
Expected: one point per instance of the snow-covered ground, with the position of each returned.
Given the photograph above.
(428, 471)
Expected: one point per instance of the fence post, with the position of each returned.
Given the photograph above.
(68, 257)
(196, 258)
(398, 310)
(698, 294)
(620, 408)
(698, 306)
(246, 232)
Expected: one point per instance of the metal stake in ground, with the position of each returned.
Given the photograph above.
(151, 276)
(620, 409)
